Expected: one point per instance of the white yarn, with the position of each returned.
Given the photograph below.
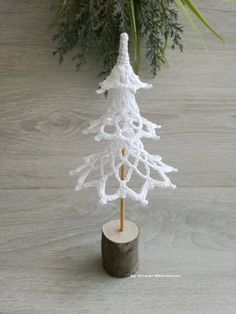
(128, 127)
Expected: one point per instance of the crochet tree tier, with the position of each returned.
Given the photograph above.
(122, 128)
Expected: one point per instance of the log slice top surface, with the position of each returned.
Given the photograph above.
(111, 230)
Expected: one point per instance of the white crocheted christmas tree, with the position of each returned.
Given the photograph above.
(122, 127)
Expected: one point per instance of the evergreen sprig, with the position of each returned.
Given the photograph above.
(160, 24)
(89, 27)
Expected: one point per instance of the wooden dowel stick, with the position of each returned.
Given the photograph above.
(122, 214)
(122, 200)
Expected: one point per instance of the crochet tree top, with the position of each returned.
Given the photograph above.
(122, 75)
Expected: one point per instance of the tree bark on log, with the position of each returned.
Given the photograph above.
(120, 249)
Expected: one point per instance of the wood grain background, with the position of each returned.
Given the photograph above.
(50, 236)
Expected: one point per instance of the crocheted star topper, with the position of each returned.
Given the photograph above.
(122, 128)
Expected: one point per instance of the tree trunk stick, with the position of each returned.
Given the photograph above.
(122, 200)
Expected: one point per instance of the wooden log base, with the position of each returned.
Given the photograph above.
(120, 248)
